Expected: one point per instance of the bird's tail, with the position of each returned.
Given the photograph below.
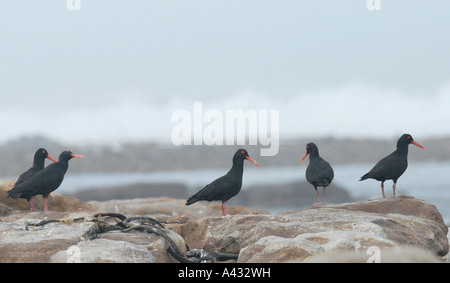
(366, 176)
(191, 200)
(13, 194)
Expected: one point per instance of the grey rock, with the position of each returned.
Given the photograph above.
(300, 234)
(103, 250)
(403, 230)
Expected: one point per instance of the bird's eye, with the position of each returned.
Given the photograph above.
(43, 151)
(306, 147)
(408, 137)
(242, 152)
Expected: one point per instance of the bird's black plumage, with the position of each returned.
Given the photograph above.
(38, 164)
(227, 186)
(394, 165)
(45, 181)
(319, 172)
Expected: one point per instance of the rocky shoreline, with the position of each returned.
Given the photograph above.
(404, 229)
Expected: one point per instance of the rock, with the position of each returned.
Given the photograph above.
(447, 257)
(17, 244)
(400, 254)
(4, 210)
(348, 232)
(95, 251)
(65, 239)
(405, 205)
(303, 246)
(168, 207)
(297, 235)
(32, 252)
(57, 202)
(155, 244)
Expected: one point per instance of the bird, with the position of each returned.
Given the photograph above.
(45, 181)
(319, 172)
(394, 165)
(227, 186)
(38, 164)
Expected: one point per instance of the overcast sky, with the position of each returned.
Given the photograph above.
(116, 70)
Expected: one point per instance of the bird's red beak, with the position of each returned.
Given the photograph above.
(52, 159)
(304, 156)
(77, 156)
(416, 144)
(253, 161)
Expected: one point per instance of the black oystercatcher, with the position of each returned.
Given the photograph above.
(394, 165)
(45, 181)
(227, 186)
(38, 164)
(319, 172)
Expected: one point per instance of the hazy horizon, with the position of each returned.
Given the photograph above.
(115, 72)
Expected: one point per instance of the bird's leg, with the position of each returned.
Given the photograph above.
(31, 203)
(45, 204)
(224, 209)
(393, 189)
(324, 189)
(382, 189)
(317, 194)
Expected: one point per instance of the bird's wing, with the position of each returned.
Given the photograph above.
(321, 171)
(387, 168)
(26, 175)
(211, 191)
(38, 183)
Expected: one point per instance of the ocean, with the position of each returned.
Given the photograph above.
(429, 181)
